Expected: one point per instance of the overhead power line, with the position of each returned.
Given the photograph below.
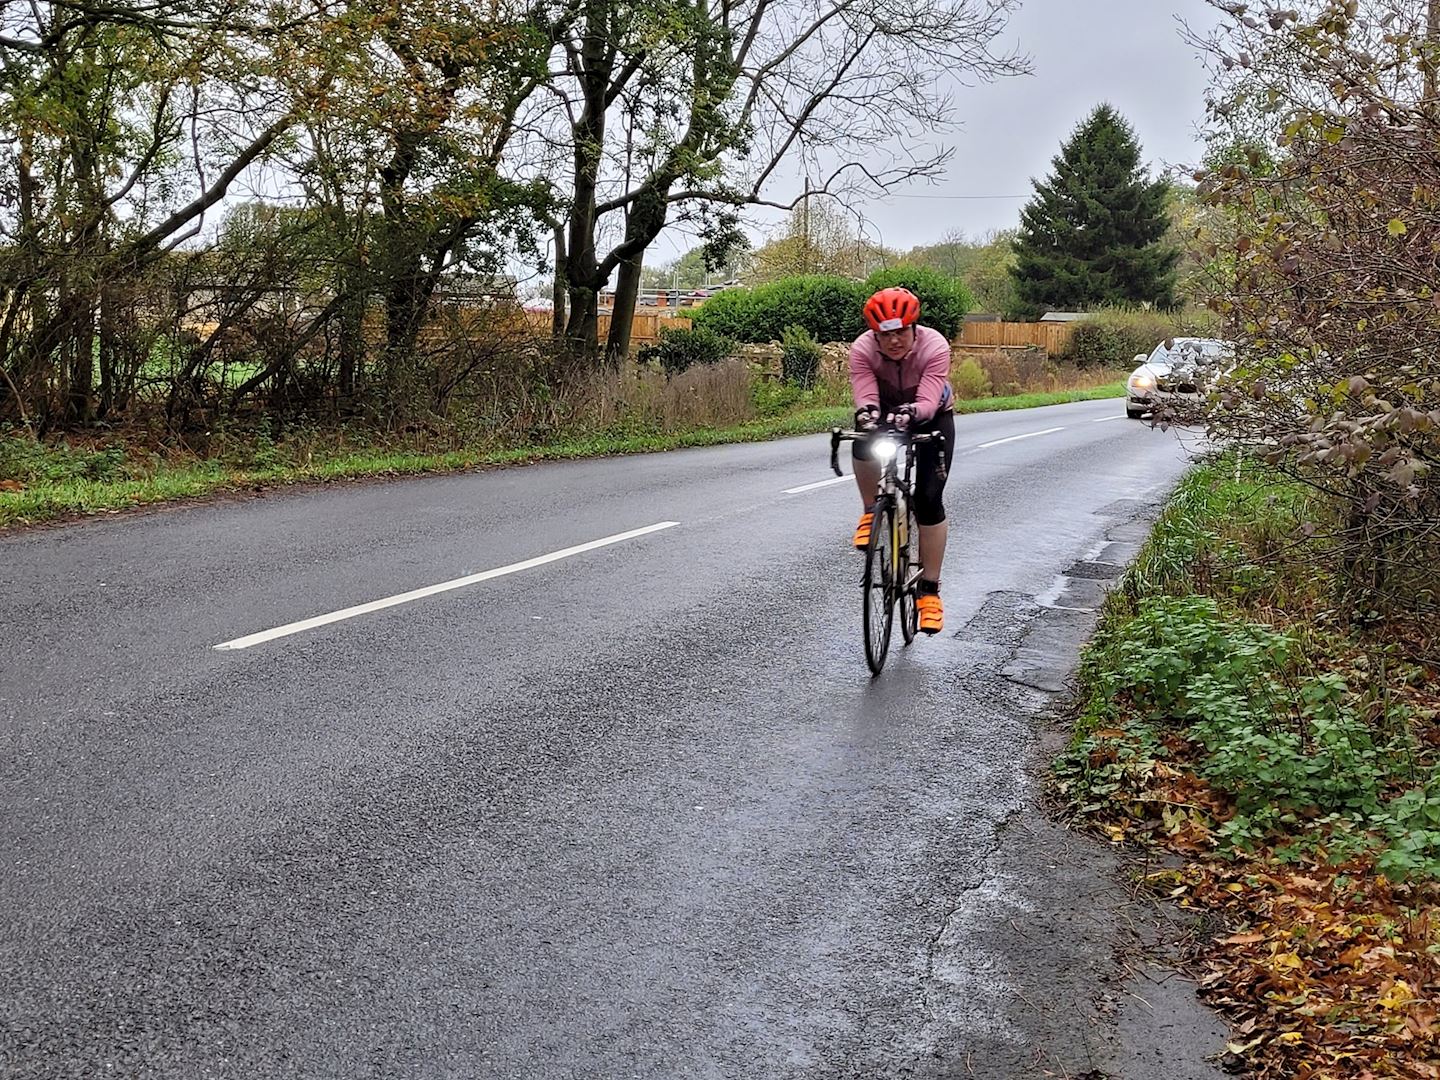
(956, 196)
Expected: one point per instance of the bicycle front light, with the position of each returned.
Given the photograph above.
(884, 451)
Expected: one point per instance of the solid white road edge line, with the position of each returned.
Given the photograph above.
(1013, 438)
(817, 484)
(431, 590)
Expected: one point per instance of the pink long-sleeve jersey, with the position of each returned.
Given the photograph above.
(922, 377)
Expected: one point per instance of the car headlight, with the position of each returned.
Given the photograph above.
(1142, 380)
(884, 450)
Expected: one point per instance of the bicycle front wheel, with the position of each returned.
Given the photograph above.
(908, 558)
(880, 586)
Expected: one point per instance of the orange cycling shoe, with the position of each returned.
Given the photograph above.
(931, 612)
(862, 531)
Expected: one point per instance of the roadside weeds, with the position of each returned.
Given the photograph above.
(1285, 765)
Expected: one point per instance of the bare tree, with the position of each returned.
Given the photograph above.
(414, 144)
(674, 109)
(820, 237)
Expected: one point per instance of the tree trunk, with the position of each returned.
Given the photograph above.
(582, 327)
(80, 290)
(352, 344)
(400, 265)
(559, 288)
(23, 297)
(110, 351)
(583, 277)
(77, 344)
(351, 350)
(351, 285)
(14, 301)
(622, 316)
(402, 308)
(642, 225)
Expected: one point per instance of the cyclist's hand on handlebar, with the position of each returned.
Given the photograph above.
(867, 417)
(903, 418)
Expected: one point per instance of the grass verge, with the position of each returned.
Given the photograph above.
(1229, 715)
(45, 483)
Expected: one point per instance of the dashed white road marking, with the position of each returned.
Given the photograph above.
(1014, 438)
(817, 484)
(444, 586)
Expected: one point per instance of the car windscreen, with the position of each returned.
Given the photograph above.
(1190, 352)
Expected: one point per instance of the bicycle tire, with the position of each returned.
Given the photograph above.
(909, 590)
(879, 588)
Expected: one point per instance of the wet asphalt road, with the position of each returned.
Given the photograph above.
(640, 812)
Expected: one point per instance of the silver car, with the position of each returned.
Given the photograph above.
(1177, 370)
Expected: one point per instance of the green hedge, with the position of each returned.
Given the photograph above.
(943, 300)
(1114, 337)
(828, 307)
(679, 350)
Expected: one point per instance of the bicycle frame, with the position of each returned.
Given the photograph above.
(893, 485)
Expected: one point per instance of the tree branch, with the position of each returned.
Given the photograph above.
(139, 248)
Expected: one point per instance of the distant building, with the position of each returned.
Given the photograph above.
(1064, 316)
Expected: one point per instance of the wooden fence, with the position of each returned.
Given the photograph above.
(1053, 337)
(644, 328)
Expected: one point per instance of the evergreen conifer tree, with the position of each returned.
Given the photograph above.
(1092, 233)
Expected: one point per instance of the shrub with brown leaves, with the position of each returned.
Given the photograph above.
(1329, 275)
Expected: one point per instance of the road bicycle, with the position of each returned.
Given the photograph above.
(892, 559)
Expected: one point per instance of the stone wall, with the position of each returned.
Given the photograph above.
(834, 358)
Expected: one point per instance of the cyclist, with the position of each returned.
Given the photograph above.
(900, 372)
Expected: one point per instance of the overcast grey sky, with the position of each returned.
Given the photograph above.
(1127, 52)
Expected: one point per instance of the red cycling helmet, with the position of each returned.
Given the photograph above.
(892, 309)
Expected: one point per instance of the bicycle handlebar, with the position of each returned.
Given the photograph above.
(838, 435)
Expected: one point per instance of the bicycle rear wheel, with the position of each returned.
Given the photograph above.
(879, 586)
(909, 562)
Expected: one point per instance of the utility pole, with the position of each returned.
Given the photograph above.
(805, 213)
